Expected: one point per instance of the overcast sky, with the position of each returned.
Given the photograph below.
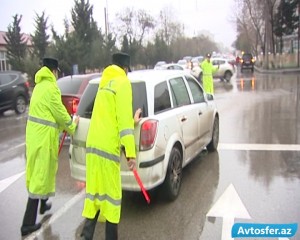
(214, 16)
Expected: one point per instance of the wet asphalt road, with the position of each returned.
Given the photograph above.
(259, 154)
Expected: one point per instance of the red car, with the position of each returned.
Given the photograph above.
(72, 87)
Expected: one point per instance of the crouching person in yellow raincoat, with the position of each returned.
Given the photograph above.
(111, 128)
(207, 74)
(47, 116)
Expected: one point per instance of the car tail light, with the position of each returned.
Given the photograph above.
(27, 84)
(148, 134)
(75, 102)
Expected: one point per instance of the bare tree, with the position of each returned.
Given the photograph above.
(135, 24)
(169, 29)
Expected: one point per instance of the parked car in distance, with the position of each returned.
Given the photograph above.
(185, 63)
(247, 62)
(179, 121)
(196, 69)
(14, 91)
(172, 66)
(159, 63)
(72, 87)
(226, 70)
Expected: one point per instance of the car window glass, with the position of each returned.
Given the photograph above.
(196, 90)
(69, 85)
(215, 62)
(86, 104)
(5, 79)
(180, 94)
(139, 98)
(161, 97)
(221, 62)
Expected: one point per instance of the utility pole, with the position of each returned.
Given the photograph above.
(106, 20)
(298, 59)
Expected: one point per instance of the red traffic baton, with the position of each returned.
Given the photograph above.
(139, 181)
(62, 142)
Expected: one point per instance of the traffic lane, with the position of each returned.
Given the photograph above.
(11, 126)
(267, 183)
(181, 219)
(268, 114)
(14, 198)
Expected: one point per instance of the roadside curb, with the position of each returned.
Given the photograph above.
(277, 71)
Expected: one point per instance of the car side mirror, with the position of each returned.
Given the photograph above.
(209, 97)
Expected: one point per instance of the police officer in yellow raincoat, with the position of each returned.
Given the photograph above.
(207, 74)
(46, 118)
(111, 129)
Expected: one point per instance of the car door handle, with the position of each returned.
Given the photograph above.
(183, 119)
(199, 113)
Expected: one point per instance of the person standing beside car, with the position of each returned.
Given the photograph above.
(47, 116)
(110, 132)
(207, 74)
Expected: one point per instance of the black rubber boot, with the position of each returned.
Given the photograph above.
(44, 206)
(29, 225)
(111, 231)
(89, 228)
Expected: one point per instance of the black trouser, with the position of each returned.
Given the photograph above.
(111, 229)
(30, 212)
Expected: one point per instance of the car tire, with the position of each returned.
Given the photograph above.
(227, 76)
(213, 145)
(20, 104)
(172, 183)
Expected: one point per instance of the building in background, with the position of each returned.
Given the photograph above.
(4, 65)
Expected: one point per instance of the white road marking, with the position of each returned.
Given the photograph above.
(229, 206)
(15, 147)
(5, 183)
(259, 147)
(68, 205)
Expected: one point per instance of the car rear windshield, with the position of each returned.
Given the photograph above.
(86, 104)
(69, 85)
(247, 56)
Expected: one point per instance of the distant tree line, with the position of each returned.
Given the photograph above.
(262, 24)
(145, 38)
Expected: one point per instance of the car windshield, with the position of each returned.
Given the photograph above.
(86, 104)
(247, 56)
(69, 84)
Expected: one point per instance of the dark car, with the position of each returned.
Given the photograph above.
(14, 91)
(72, 87)
(247, 62)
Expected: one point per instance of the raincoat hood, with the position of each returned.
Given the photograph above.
(44, 74)
(111, 72)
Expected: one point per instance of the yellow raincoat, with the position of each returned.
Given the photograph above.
(110, 128)
(47, 116)
(207, 76)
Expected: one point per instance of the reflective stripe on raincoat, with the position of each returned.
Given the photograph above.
(110, 128)
(47, 116)
(207, 76)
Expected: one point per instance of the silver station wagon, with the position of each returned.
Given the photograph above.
(179, 121)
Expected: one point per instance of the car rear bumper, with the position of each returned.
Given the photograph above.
(151, 172)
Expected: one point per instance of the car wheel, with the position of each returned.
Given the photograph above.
(20, 105)
(173, 178)
(227, 76)
(213, 145)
